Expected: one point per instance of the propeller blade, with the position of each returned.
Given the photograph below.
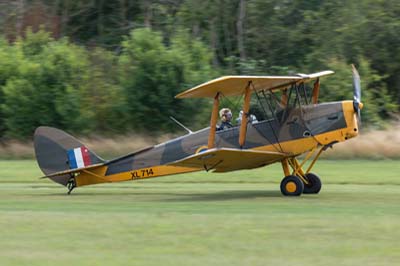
(356, 84)
(356, 93)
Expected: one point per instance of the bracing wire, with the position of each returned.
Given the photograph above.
(235, 105)
(287, 104)
(266, 115)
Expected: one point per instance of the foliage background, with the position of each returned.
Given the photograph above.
(113, 67)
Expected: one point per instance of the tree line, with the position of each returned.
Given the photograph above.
(114, 66)
(56, 82)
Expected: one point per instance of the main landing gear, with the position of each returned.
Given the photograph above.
(314, 184)
(292, 185)
(300, 181)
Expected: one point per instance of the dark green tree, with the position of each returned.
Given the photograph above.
(45, 87)
(152, 74)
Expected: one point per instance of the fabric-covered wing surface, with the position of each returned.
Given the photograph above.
(236, 85)
(225, 160)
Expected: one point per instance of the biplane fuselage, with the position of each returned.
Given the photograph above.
(291, 131)
(323, 124)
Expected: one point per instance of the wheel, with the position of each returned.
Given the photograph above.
(292, 186)
(314, 185)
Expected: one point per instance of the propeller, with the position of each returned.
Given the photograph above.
(357, 105)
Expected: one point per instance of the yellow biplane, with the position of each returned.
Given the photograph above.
(289, 122)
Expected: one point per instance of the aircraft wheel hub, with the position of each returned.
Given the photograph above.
(291, 187)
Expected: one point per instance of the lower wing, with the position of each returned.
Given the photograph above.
(225, 160)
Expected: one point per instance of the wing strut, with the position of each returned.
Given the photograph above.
(213, 122)
(246, 107)
(315, 92)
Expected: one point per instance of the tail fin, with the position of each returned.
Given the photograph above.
(57, 151)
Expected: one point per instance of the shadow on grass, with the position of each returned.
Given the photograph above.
(228, 195)
(172, 196)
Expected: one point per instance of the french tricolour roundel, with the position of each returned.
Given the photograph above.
(78, 157)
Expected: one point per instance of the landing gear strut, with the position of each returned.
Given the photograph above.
(300, 181)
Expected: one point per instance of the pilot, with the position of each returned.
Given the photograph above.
(251, 118)
(226, 117)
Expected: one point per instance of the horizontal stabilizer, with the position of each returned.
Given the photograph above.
(72, 171)
(225, 160)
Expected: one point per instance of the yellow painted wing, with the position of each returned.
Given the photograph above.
(236, 85)
(225, 160)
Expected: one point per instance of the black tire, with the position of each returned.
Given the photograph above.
(314, 185)
(292, 186)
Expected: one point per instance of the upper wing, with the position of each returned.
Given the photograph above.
(225, 160)
(236, 85)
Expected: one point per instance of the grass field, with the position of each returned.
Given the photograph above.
(203, 219)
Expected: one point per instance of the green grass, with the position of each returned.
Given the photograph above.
(238, 218)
